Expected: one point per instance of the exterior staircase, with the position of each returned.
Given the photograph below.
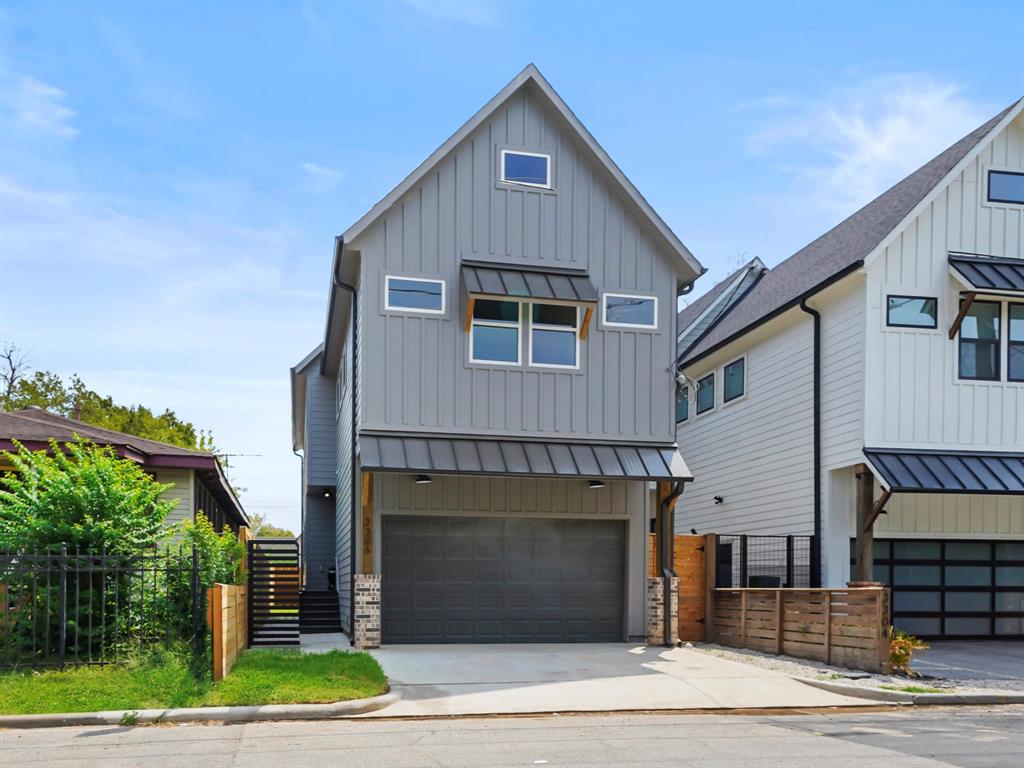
(318, 612)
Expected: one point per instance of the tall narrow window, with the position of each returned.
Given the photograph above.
(706, 394)
(530, 168)
(683, 404)
(734, 380)
(495, 333)
(554, 335)
(1015, 353)
(979, 342)
(414, 294)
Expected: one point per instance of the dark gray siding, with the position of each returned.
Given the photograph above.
(415, 366)
(342, 497)
(321, 430)
(318, 540)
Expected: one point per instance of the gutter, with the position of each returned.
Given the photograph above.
(666, 538)
(336, 282)
(816, 549)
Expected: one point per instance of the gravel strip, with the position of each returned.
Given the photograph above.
(817, 670)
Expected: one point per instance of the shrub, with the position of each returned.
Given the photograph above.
(901, 650)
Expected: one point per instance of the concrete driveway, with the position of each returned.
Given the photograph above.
(979, 660)
(438, 680)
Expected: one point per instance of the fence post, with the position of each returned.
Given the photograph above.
(790, 582)
(743, 561)
(197, 640)
(62, 632)
(710, 583)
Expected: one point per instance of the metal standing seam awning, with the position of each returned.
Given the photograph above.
(988, 274)
(501, 280)
(968, 472)
(467, 456)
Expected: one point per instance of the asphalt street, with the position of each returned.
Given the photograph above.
(914, 737)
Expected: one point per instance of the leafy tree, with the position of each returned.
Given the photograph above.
(88, 498)
(260, 527)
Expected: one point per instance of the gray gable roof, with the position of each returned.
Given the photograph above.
(698, 319)
(840, 250)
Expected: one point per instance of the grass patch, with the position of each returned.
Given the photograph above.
(164, 679)
(914, 688)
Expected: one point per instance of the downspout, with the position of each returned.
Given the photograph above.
(338, 283)
(302, 523)
(666, 537)
(816, 551)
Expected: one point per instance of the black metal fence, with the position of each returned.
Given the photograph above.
(65, 607)
(766, 561)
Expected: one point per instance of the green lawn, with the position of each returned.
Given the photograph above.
(164, 680)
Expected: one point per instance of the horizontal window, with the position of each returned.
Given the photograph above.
(1006, 187)
(414, 294)
(912, 312)
(683, 404)
(630, 311)
(530, 168)
(554, 335)
(494, 336)
(706, 394)
(979, 341)
(733, 380)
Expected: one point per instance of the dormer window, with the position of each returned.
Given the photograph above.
(532, 169)
(1006, 187)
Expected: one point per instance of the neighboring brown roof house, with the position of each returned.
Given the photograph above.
(34, 427)
(838, 252)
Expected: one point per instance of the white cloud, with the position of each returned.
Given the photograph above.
(320, 178)
(477, 13)
(856, 142)
(33, 106)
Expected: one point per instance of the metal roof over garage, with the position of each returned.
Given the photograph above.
(911, 471)
(467, 456)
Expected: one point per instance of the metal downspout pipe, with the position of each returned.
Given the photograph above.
(816, 550)
(339, 283)
(666, 538)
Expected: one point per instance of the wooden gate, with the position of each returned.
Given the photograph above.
(688, 555)
(273, 592)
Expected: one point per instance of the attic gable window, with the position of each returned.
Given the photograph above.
(414, 294)
(532, 169)
(1006, 187)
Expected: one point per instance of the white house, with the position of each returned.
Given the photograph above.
(891, 349)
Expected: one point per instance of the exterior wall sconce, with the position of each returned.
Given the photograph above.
(595, 484)
(327, 493)
(423, 479)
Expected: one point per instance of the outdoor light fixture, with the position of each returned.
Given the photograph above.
(594, 484)
(327, 493)
(424, 479)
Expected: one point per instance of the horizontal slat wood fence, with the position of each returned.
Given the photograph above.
(845, 627)
(227, 614)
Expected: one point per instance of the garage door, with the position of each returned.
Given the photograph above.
(949, 588)
(502, 580)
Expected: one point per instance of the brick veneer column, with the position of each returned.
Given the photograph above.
(367, 625)
(656, 611)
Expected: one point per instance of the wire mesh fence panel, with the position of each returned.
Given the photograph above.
(764, 561)
(66, 607)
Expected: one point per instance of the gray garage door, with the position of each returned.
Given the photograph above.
(502, 580)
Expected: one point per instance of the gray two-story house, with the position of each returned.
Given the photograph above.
(487, 428)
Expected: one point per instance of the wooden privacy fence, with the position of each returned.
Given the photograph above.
(845, 627)
(227, 615)
(688, 558)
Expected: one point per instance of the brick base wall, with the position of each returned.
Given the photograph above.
(656, 611)
(367, 625)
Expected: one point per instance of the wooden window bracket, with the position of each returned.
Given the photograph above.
(965, 307)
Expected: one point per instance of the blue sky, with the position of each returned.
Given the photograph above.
(172, 175)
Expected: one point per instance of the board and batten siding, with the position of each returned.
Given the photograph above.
(914, 394)
(527, 497)
(183, 493)
(755, 452)
(416, 366)
(321, 430)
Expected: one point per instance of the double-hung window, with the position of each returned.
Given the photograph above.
(494, 337)
(734, 380)
(554, 335)
(979, 341)
(1015, 343)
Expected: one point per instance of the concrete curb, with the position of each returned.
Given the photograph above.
(901, 697)
(204, 714)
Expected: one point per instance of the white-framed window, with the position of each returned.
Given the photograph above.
(495, 333)
(554, 335)
(414, 294)
(734, 380)
(682, 404)
(532, 169)
(624, 310)
(705, 394)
